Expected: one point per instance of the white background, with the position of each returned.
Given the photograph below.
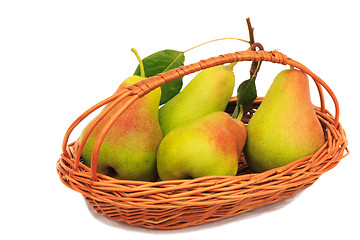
(58, 58)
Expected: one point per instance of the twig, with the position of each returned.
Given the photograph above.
(251, 31)
(255, 66)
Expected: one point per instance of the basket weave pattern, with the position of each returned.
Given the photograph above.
(187, 202)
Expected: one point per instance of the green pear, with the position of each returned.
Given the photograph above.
(209, 91)
(210, 145)
(129, 149)
(285, 126)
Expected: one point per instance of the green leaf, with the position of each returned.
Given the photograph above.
(160, 62)
(246, 94)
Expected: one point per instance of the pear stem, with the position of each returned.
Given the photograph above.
(142, 70)
(232, 65)
(241, 113)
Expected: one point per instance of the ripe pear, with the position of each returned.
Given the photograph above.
(210, 145)
(130, 146)
(285, 127)
(209, 91)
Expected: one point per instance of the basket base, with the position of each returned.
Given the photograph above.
(177, 218)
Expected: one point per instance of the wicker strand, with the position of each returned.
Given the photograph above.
(117, 98)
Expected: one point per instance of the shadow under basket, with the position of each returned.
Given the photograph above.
(188, 202)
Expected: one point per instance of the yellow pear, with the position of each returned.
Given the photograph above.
(285, 126)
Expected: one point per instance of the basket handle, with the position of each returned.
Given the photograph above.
(140, 89)
(151, 83)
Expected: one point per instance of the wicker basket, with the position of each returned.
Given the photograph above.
(181, 203)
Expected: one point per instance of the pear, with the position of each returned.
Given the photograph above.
(209, 91)
(210, 145)
(285, 127)
(129, 149)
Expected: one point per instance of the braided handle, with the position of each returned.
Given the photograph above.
(139, 89)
